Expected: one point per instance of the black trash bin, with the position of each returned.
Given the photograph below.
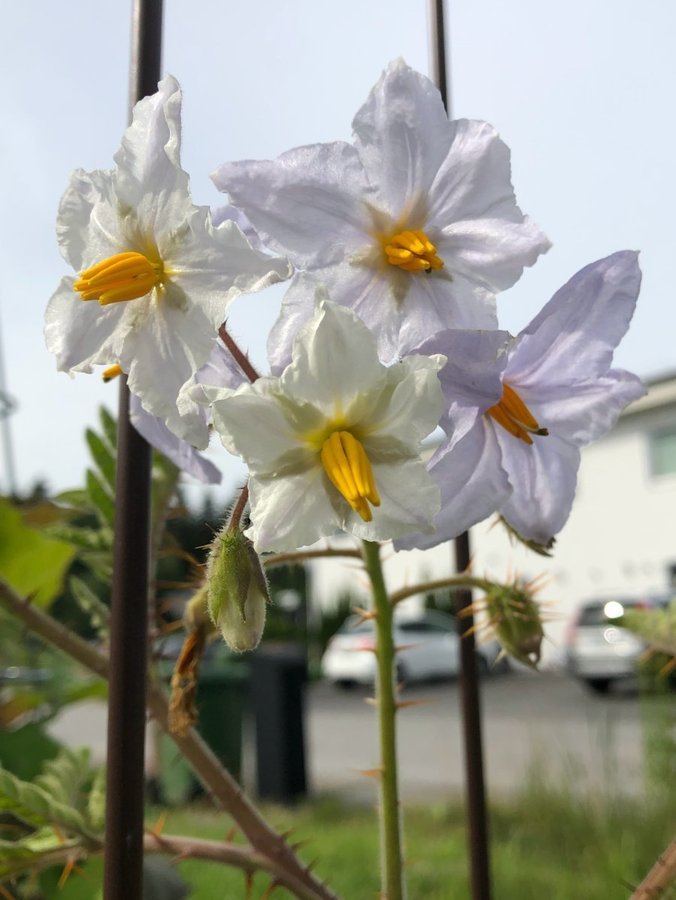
(278, 676)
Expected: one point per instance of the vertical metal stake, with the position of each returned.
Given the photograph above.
(123, 859)
(469, 677)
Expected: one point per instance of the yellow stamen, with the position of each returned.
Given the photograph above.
(111, 372)
(412, 251)
(515, 417)
(125, 276)
(349, 471)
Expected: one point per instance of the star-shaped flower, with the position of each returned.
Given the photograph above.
(334, 442)
(414, 226)
(515, 426)
(162, 274)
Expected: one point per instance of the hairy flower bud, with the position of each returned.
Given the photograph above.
(237, 590)
(515, 618)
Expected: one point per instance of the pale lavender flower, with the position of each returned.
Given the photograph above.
(414, 226)
(516, 429)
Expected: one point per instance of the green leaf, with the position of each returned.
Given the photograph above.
(34, 565)
(24, 855)
(36, 806)
(75, 498)
(109, 425)
(96, 802)
(102, 456)
(84, 538)
(100, 498)
(65, 777)
(89, 602)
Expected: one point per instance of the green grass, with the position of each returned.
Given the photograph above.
(545, 844)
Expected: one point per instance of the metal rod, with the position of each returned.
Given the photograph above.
(123, 857)
(477, 816)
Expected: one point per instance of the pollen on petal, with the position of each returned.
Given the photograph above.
(349, 471)
(124, 276)
(412, 251)
(514, 416)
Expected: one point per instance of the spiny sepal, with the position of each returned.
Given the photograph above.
(540, 549)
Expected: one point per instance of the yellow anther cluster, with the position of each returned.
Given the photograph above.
(412, 251)
(111, 372)
(125, 276)
(349, 471)
(515, 417)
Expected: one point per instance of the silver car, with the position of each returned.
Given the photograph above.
(430, 649)
(599, 651)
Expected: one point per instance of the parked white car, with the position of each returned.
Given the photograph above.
(431, 649)
(599, 651)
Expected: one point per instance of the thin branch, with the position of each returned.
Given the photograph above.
(454, 581)
(238, 508)
(288, 869)
(53, 632)
(238, 354)
(658, 879)
(299, 556)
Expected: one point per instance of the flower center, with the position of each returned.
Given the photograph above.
(515, 417)
(125, 276)
(349, 471)
(412, 251)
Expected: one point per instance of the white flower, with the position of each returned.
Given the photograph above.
(414, 226)
(134, 235)
(334, 442)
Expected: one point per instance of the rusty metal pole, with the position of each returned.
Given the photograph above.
(477, 817)
(123, 859)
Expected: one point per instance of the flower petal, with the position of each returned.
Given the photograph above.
(474, 179)
(573, 337)
(307, 204)
(162, 340)
(148, 161)
(215, 265)
(543, 476)
(473, 485)
(582, 412)
(290, 512)
(410, 405)
(252, 423)
(179, 452)
(402, 134)
(490, 252)
(471, 378)
(80, 334)
(334, 361)
(409, 501)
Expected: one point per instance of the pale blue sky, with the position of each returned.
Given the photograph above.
(582, 92)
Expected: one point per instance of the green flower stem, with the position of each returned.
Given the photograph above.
(390, 817)
(455, 581)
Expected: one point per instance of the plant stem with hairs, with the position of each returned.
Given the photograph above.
(393, 887)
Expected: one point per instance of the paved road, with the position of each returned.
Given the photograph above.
(531, 723)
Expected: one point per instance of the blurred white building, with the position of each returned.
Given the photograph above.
(620, 539)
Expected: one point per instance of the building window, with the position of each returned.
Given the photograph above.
(663, 452)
